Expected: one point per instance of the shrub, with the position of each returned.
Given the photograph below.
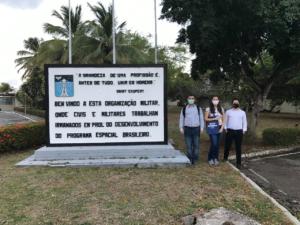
(31, 111)
(281, 136)
(21, 136)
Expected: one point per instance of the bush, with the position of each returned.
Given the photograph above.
(31, 111)
(22, 136)
(281, 136)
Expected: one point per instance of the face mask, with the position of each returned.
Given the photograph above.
(215, 102)
(191, 101)
(235, 105)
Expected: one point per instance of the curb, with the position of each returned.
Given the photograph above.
(266, 152)
(287, 213)
(26, 117)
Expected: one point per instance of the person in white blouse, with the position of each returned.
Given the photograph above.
(214, 117)
(235, 127)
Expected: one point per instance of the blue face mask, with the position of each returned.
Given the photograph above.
(191, 101)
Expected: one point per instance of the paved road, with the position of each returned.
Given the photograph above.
(278, 175)
(9, 117)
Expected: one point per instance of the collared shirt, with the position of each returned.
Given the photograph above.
(192, 117)
(235, 119)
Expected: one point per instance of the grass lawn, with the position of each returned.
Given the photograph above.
(89, 196)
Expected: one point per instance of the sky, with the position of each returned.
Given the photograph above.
(21, 19)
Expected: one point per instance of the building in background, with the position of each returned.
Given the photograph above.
(7, 101)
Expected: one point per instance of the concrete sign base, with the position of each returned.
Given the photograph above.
(144, 156)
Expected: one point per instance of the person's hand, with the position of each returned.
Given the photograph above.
(182, 130)
(221, 130)
(201, 130)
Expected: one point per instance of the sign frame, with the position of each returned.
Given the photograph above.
(165, 103)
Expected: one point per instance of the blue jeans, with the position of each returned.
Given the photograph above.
(192, 139)
(214, 147)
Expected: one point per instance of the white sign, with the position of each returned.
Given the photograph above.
(106, 105)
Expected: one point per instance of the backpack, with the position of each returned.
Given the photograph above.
(183, 110)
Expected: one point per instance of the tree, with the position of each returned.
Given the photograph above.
(63, 16)
(92, 43)
(56, 50)
(251, 44)
(95, 44)
(5, 87)
(28, 56)
(34, 89)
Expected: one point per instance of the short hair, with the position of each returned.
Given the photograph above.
(235, 99)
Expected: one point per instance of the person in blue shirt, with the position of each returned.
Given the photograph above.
(191, 123)
(214, 117)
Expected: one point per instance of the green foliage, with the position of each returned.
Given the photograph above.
(251, 45)
(27, 57)
(22, 136)
(5, 87)
(245, 42)
(231, 37)
(281, 136)
(92, 44)
(31, 111)
(34, 90)
(63, 16)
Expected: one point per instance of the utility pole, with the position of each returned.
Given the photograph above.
(113, 32)
(155, 33)
(70, 34)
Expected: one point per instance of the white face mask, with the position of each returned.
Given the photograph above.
(215, 102)
(191, 101)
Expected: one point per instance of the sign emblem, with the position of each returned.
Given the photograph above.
(64, 85)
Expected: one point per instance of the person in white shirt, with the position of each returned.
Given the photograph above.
(214, 117)
(235, 127)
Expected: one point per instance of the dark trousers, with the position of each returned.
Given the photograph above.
(192, 139)
(213, 153)
(237, 137)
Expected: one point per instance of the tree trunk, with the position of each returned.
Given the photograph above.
(258, 105)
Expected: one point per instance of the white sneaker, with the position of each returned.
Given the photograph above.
(216, 162)
(211, 162)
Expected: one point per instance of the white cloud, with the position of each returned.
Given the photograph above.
(21, 3)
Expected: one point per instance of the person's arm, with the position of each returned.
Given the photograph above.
(181, 122)
(225, 121)
(244, 122)
(201, 119)
(206, 115)
(206, 118)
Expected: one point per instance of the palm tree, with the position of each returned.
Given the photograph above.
(96, 45)
(53, 51)
(63, 31)
(28, 56)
